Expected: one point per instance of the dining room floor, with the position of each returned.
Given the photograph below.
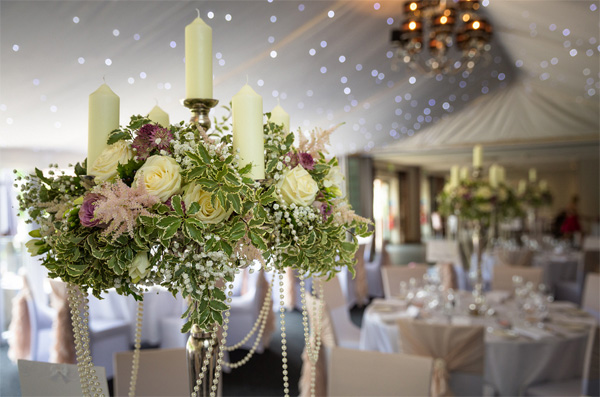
(260, 377)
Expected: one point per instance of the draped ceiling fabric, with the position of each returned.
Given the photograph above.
(326, 62)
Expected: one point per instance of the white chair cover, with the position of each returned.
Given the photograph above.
(346, 333)
(41, 317)
(63, 350)
(162, 372)
(393, 275)
(591, 295)
(19, 341)
(513, 257)
(365, 373)
(49, 380)
(454, 348)
(502, 276)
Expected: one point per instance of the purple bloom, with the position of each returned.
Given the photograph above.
(306, 161)
(86, 212)
(293, 160)
(151, 137)
(325, 209)
(162, 138)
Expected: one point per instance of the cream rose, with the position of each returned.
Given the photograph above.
(161, 176)
(140, 267)
(298, 187)
(208, 213)
(105, 166)
(334, 181)
(484, 192)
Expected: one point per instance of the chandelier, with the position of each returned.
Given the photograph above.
(455, 35)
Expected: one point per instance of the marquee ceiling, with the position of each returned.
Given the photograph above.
(326, 62)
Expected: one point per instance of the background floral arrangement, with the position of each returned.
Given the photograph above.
(170, 206)
(476, 199)
(535, 195)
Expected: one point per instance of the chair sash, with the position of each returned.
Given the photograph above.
(19, 342)
(63, 350)
(455, 348)
(447, 275)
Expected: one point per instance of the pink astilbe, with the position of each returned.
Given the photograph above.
(344, 215)
(316, 141)
(122, 207)
(244, 249)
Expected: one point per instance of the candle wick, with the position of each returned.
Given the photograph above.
(198, 12)
(104, 79)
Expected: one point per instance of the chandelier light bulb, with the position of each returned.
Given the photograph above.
(476, 25)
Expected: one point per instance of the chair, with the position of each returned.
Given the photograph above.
(373, 270)
(346, 333)
(63, 350)
(503, 275)
(448, 251)
(161, 372)
(591, 295)
(587, 385)
(459, 353)
(171, 324)
(109, 333)
(46, 379)
(366, 373)
(355, 289)
(245, 308)
(572, 290)
(514, 257)
(393, 275)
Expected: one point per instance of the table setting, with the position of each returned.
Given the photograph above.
(528, 336)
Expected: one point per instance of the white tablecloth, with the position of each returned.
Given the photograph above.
(513, 362)
(557, 267)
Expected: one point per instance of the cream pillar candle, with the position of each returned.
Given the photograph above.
(493, 175)
(159, 116)
(522, 186)
(280, 116)
(532, 175)
(248, 137)
(198, 60)
(464, 172)
(103, 117)
(477, 156)
(454, 176)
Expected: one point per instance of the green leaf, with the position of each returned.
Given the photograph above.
(238, 230)
(193, 231)
(217, 317)
(268, 195)
(218, 305)
(195, 207)
(208, 184)
(166, 222)
(171, 230)
(226, 247)
(246, 169)
(203, 154)
(176, 203)
(118, 136)
(195, 159)
(232, 179)
(235, 201)
(257, 240)
(74, 270)
(127, 171)
(221, 198)
(219, 294)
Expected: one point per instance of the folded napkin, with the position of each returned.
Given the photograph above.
(532, 332)
(410, 312)
(461, 320)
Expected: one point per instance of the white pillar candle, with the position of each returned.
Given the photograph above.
(280, 116)
(159, 116)
(464, 172)
(198, 60)
(493, 175)
(532, 175)
(103, 117)
(477, 156)
(543, 185)
(454, 176)
(248, 137)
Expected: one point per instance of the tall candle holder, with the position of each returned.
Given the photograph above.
(200, 108)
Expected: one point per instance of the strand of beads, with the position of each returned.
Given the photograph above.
(90, 384)
(218, 367)
(206, 362)
(135, 365)
(313, 345)
(284, 360)
(262, 317)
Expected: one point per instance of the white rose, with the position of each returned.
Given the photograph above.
(208, 213)
(105, 166)
(160, 175)
(140, 267)
(484, 192)
(298, 187)
(334, 181)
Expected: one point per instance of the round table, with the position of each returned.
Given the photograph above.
(514, 359)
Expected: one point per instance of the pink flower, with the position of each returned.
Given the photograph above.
(86, 212)
(150, 138)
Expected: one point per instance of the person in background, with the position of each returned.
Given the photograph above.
(570, 226)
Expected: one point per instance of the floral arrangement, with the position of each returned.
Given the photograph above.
(535, 195)
(171, 207)
(476, 199)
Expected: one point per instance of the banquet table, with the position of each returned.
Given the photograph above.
(558, 266)
(514, 358)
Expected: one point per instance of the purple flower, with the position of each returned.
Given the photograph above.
(86, 212)
(293, 160)
(306, 161)
(323, 208)
(151, 137)
(162, 138)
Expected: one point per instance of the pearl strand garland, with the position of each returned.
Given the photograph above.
(318, 306)
(286, 390)
(135, 365)
(87, 373)
(262, 318)
(205, 363)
